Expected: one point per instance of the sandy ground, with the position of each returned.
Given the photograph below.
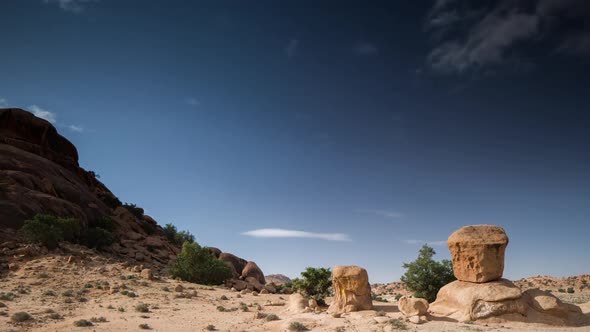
(35, 280)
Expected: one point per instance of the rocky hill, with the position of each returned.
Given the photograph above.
(40, 173)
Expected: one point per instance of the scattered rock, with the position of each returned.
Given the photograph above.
(147, 274)
(179, 288)
(410, 306)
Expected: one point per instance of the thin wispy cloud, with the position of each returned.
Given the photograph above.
(288, 233)
(432, 243)
(74, 6)
(191, 101)
(43, 114)
(365, 48)
(291, 48)
(471, 36)
(3, 102)
(382, 213)
(75, 128)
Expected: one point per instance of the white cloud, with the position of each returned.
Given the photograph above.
(291, 48)
(365, 48)
(384, 213)
(74, 6)
(75, 128)
(287, 233)
(43, 114)
(432, 243)
(192, 102)
(3, 102)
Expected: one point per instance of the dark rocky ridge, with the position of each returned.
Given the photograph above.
(39, 173)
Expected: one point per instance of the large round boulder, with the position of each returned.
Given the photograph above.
(251, 270)
(352, 291)
(478, 252)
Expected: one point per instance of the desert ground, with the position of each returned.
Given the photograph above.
(59, 290)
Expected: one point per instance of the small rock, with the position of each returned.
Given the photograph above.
(264, 291)
(312, 303)
(178, 288)
(336, 315)
(147, 274)
(254, 293)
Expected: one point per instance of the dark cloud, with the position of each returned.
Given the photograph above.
(492, 34)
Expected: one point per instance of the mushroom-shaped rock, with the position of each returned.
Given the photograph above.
(252, 270)
(478, 252)
(411, 306)
(352, 291)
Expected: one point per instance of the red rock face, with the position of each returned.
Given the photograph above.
(39, 173)
(27, 132)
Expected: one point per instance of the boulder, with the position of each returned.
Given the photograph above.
(237, 284)
(352, 291)
(546, 303)
(297, 303)
(410, 306)
(464, 301)
(254, 284)
(478, 252)
(214, 251)
(236, 262)
(252, 270)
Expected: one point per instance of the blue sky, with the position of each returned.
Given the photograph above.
(370, 128)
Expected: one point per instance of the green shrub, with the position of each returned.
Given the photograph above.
(134, 209)
(174, 236)
(43, 229)
(70, 228)
(425, 277)
(561, 290)
(272, 317)
(196, 264)
(296, 326)
(55, 316)
(83, 323)
(7, 296)
(142, 307)
(98, 238)
(315, 283)
(571, 290)
(210, 327)
(106, 223)
(21, 317)
(110, 200)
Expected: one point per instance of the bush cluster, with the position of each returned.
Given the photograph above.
(196, 264)
(315, 283)
(134, 209)
(48, 230)
(174, 236)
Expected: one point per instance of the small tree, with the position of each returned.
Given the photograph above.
(196, 264)
(316, 283)
(425, 276)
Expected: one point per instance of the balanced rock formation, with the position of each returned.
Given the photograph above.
(478, 262)
(411, 306)
(352, 291)
(478, 252)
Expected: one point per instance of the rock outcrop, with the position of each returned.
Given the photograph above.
(478, 252)
(352, 291)
(478, 261)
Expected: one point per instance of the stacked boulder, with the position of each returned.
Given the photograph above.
(481, 293)
(352, 291)
(246, 275)
(414, 309)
